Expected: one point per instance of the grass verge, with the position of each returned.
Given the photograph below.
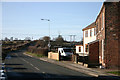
(34, 54)
(115, 72)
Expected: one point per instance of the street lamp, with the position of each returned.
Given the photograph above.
(49, 32)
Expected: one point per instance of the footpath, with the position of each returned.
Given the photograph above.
(78, 67)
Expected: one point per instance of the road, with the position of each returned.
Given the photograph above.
(21, 67)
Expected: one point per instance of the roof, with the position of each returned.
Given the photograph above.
(89, 26)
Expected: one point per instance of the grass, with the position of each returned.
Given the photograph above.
(115, 72)
(36, 55)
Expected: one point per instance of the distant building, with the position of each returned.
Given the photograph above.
(16, 39)
(6, 39)
(27, 38)
(11, 39)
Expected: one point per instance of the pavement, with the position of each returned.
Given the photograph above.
(78, 67)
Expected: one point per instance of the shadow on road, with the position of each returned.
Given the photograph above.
(13, 64)
(47, 76)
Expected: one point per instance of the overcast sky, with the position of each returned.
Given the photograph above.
(22, 19)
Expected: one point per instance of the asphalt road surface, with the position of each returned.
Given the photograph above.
(22, 67)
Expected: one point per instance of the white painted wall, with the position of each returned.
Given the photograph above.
(89, 38)
(77, 49)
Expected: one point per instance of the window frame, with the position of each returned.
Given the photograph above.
(86, 33)
(79, 48)
(90, 32)
(86, 47)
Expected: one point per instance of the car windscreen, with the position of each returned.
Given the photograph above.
(67, 50)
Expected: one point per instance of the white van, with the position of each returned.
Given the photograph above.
(65, 52)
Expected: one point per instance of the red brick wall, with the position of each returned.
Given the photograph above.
(101, 31)
(119, 39)
(112, 35)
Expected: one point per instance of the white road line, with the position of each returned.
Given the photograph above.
(30, 64)
(25, 60)
(43, 72)
(36, 68)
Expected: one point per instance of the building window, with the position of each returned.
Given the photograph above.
(103, 20)
(79, 49)
(96, 27)
(94, 31)
(86, 33)
(91, 33)
(86, 48)
(100, 24)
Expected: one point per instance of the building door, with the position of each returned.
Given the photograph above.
(94, 52)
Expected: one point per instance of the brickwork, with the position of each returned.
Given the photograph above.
(112, 32)
(100, 29)
(119, 39)
(108, 34)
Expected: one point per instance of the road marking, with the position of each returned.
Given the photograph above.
(43, 72)
(36, 68)
(24, 60)
(30, 64)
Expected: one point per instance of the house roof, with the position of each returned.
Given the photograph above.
(89, 26)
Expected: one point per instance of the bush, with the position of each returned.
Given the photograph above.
(31, 49)
(39, 50)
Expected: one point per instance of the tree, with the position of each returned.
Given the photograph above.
(46, 38)
(59, 39)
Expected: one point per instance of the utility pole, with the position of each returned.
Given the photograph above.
(49, 45)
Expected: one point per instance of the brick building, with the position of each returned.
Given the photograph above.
(108, 34)
(106, 37)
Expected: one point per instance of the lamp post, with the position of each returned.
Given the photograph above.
(49, 32)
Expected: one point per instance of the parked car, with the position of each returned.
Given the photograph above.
(65, 52)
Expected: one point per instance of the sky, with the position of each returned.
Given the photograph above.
(23, 19)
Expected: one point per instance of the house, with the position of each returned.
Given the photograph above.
(79, 50)
(107, 32)
(101, 39)
(89, 35)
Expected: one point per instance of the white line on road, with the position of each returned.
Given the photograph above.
(30, 64)
(43, 72)
(24, 60)
(36, 68)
